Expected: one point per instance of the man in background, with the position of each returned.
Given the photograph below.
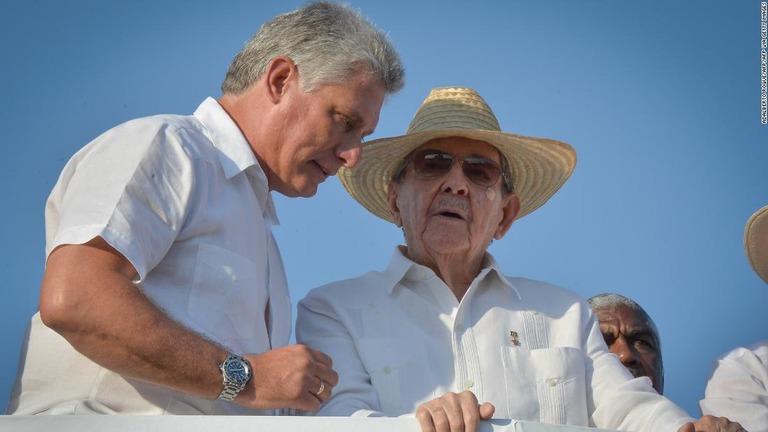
(631, 334)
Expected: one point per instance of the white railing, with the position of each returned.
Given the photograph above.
(118, 423)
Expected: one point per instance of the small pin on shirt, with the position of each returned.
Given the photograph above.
(513, 338)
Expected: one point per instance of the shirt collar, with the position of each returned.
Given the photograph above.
(397, 268)
(235, 153)
(401, 267)
(491, 270)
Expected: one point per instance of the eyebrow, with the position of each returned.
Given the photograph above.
(636, 333)
(632, 333)
(356, 119)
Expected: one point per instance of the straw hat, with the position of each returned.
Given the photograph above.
(538, 166)
(756, 242)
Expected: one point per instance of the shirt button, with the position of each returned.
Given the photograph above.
(551, 382)
(371, 306)
(387, 369)
(459, 328)
(468, 384)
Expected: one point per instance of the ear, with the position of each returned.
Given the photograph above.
(394, 210)
(510, 210)
(280, 74)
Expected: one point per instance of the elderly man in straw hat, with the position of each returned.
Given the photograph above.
(442, 327)
(738, 387)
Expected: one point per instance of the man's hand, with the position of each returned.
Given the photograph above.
(709, 423)
(88, 296)
(453, 412)
(289, 377)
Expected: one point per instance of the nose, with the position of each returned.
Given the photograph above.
(625, 352)
(350, 152)
(455, 182)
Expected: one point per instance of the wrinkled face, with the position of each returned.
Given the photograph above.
(322, 131)
(627, 334)
(449, 214)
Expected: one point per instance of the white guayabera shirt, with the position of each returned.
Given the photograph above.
(185, 201)
(738, 387)
(400, 338)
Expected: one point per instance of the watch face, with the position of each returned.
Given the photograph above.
(237, 370)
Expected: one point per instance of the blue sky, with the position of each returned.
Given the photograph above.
(661, 100)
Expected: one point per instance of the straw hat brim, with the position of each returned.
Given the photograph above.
(756, 242)
(539, 166)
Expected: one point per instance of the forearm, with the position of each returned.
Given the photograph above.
(89, 298)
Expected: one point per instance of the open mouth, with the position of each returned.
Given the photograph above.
(451, 215)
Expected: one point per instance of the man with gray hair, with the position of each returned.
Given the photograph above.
(164, 291)
(631, 334)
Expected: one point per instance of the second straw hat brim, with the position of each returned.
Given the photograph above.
(756, 242)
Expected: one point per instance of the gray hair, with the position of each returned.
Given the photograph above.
(328, 42)
(612, 300)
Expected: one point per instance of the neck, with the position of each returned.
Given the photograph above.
(251, 118)
(456, 270)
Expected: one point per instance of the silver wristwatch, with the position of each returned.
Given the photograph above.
(236, 372)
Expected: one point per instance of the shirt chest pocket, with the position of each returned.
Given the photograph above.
(227, 299)
(399, 373)
(546, 385)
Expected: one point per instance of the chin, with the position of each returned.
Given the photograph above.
(449, 245)
(308, 191)
(300, 190)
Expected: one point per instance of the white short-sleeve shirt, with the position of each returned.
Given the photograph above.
(400, 338)
(738, 387)
(184, 199)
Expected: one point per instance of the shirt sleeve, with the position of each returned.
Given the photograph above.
(618, 400)
(737, 390)
(131, 186)
(320, 326)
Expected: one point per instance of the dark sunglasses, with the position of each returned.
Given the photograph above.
(435, 163)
